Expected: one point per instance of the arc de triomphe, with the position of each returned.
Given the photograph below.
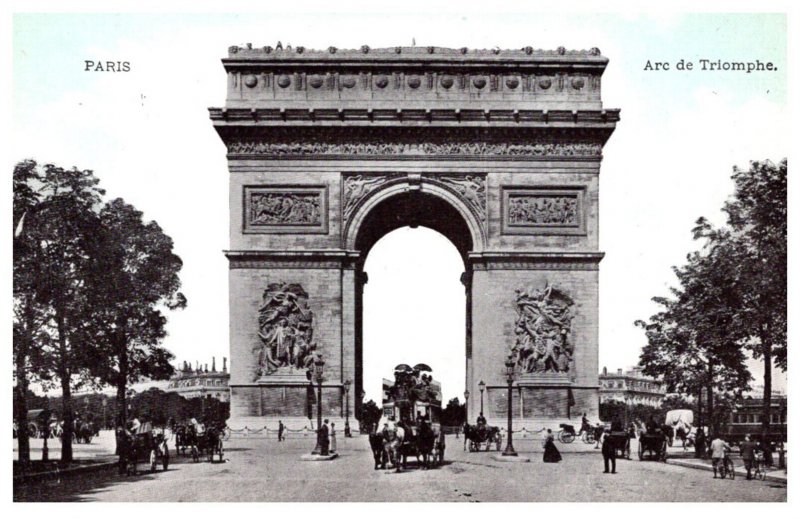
(498, 150)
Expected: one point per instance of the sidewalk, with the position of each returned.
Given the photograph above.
(778, 476)
(98, 455)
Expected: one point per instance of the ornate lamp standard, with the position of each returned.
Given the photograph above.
(347, 408)
(482, 388)
(317, 371)
(510, 379)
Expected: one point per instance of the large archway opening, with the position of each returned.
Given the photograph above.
(412, 305)
(414, 309)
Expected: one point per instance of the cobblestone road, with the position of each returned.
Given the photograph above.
(265, 470)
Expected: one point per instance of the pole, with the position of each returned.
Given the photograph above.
(347, 411)
(510, 442)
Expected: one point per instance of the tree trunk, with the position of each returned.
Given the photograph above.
(712, 423)
(122, 387)
(20, 392)
(766, 409)
(66, 392)
(700, 407)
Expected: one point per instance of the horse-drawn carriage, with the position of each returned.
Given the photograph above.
(481, 435)
(410, 426)
(145, 444)
(653, 444)
(621, 441)
(200, 440)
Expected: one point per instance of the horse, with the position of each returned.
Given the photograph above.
(425, 440)
(392, 446)
(477, 434)
(378, 453)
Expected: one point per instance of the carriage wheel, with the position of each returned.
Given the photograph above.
(153, 460)
(566, 437)
(641, 451)
(588, 439)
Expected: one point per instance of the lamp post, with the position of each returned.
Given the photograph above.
(46, 428)
(318, 368)
(347, 408)
(510, 379)
(482, 388)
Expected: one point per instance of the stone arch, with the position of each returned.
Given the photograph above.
(416, 193)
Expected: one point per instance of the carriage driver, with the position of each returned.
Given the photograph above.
(481, 421)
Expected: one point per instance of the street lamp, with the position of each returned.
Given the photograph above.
(318, 368)
(347, 408)
(482, 387)
(510, 379)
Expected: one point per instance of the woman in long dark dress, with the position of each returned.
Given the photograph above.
(551, 454)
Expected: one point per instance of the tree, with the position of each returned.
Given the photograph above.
(63, 231)
(128, 298)
(755, 239)
(29, 316)
(693, 343)
(455, 414)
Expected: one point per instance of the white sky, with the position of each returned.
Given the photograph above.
(147, 135)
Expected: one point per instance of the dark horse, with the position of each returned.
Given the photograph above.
(478, 434)
(378, 453)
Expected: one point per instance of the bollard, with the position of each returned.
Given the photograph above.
(781, 457)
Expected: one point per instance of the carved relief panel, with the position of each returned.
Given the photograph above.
(285, 209)
(557, 210)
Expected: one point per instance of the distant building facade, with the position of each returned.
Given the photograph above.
(200, 382)
(631, 387)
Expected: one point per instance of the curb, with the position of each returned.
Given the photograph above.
(708, 468)
(85, 469)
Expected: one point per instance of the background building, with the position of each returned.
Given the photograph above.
(631, 387)
(199, 382)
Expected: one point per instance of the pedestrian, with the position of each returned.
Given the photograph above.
(598, 435)
(551, 454)
(700, 443)
(747, 450)
(718, 449)
(333, 437)
(280, 431)
(324, 439)
(609, 455)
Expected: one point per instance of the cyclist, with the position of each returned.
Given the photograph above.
(719, 449)
(747, 449)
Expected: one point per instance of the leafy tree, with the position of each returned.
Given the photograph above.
(140, 280)
(62, 230)
(29, 316)
(693, 343)
(454, 414)
(755, 240)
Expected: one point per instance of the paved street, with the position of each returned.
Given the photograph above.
(260, 469)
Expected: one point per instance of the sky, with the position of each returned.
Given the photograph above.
(147, 135)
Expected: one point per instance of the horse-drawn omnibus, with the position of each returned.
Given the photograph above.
(746, 419)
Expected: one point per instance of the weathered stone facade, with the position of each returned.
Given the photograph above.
(498, 150)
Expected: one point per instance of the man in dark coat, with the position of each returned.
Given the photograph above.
(747, 449)
(280, 431)
(609, 454)
(700, 443)
(324, 439)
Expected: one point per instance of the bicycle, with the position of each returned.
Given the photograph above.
(727, 468)
(758, 467)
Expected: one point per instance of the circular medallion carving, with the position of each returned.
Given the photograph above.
(382, 81)
(414, 82)
(544, 84)
(479, 82)
(348, 82)
(447, 81)
(250, 81)
(512, 83)
(315, 81)
(577, 83)
(284, 81)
